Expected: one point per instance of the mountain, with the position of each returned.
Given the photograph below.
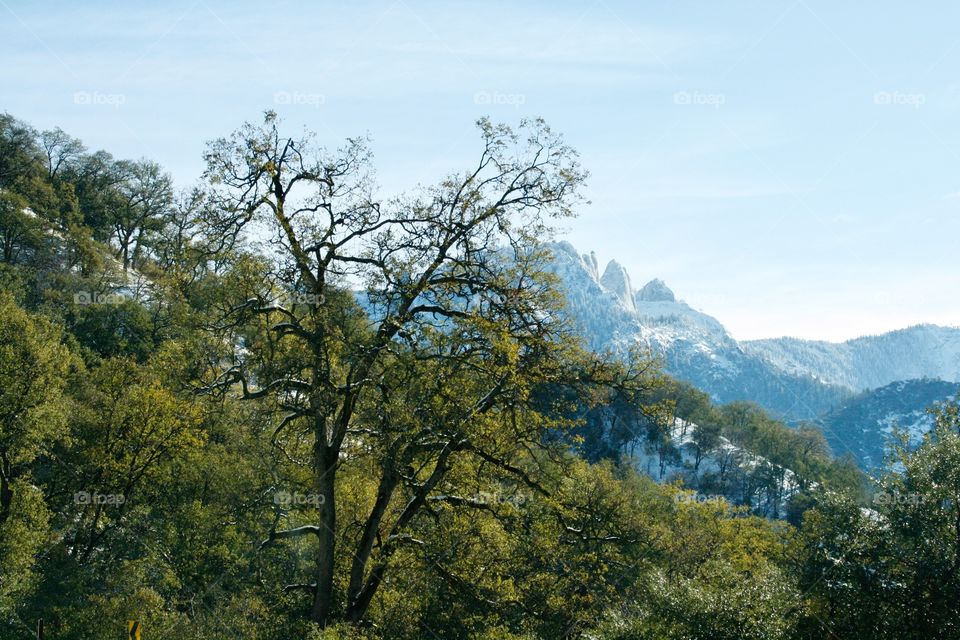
(793, 379)
(863, 424)
(695, 347)
(869, 362)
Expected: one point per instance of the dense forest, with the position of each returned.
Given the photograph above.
(279, 404)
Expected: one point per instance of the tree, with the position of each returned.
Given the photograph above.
(435, 361)
(20, 229)
(96, 179)
(706, 438)
(138, 425)
(33, 370)
(115, 329)
(891, 571)
(59, 150)
(20, 158)
(146, 197)
(922, 507)
(715, 574)
(947, 418)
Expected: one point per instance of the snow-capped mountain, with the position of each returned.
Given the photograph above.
(793, 379)
(872, 361)
(694, 346)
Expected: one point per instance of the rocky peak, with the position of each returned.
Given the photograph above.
(590, 264)
(616, 280)
(656, 291)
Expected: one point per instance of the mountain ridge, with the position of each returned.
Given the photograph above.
(793, 378)
(868, 362)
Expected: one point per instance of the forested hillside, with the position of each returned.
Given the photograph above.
(866, 425)
(280, 404)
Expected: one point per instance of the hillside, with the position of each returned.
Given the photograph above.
(216, 437)
(863, 425)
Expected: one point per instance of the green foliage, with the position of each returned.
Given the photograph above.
(23, 533)
(33, 372)
(720, 603)
(124, 328)
(891, 570)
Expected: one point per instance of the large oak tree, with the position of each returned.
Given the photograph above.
(409, 332)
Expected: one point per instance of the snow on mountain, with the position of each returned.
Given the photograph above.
(614, 315)
(795, 380)
(655, 291)
(616, 280)
(869, 362)
(694, 346)
(863, 425)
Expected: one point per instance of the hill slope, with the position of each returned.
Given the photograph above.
(863, 425)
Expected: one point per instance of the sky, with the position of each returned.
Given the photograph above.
(790, 167)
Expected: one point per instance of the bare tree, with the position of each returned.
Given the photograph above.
(59, 150)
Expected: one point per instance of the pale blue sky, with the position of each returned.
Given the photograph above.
(792, 168)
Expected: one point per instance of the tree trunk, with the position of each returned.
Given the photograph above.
(325, 469)
(355, 607)
(358, 609)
